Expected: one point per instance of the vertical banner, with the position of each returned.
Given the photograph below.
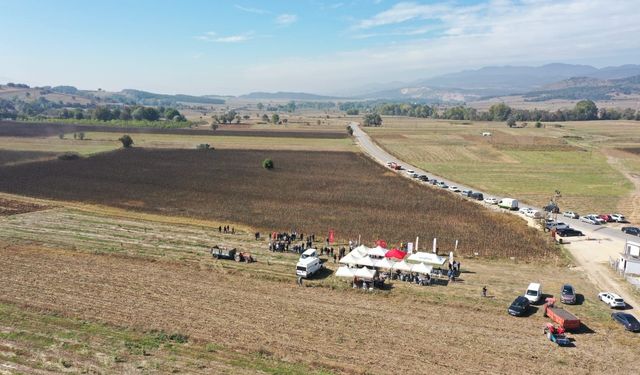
(417, 239)
(410, 247)
(456, 247)
(331, 236)
(435, 245)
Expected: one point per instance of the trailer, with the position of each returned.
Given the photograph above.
(556, 335)
(562, 317)
(508, 203)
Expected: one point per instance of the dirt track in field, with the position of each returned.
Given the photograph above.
(347, 331)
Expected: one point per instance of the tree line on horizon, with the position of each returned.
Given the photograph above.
(584, 110)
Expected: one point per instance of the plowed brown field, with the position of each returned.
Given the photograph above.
(308, 191)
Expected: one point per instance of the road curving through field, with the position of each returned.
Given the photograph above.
(605, 243)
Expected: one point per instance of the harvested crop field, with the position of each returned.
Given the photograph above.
(340, 331)
(345, 191)
(10, 207)
(13, 157)
(20, 129)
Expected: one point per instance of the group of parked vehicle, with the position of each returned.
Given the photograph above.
(565, 320)
(601, 219)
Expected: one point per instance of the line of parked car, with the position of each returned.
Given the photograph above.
(533, 295)
(562, 229)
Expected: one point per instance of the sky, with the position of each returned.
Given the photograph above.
(329, 47)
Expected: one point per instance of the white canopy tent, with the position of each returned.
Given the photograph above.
(365, 262)
(345, 271)
(421, 268)
(427, 258)
(377, 251)
(365, 273)
(360, 251)
(349, 259)
(401, 266)
(383, 263)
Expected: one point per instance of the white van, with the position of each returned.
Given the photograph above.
(308, 266)
(309, 253)
(508, 203)
(533, 293)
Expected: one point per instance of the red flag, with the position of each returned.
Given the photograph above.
(331, 236)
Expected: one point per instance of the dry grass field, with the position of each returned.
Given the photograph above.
(92, 289)
(529, 163)
(310, 191)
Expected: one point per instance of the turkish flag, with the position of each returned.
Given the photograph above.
(331, 236)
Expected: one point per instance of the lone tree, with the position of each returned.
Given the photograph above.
(511, 122)
(267, 164)
(349, 130)
(126, 140)
(586, 110)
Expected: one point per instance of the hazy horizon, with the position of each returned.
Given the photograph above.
(201, 48)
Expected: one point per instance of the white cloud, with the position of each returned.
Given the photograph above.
(212, 36)
(251, 10)
(524, 32)
(286, 19)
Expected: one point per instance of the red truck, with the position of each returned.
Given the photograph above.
(562, 317)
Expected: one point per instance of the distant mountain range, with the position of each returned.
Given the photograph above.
(547, 82)
(471, 85)
(587, 88)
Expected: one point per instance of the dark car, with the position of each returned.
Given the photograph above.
(423, 178)
(568, 294)
(634, 231)
(569, 232)
(519, 306)
(629, 321)
(477, 196)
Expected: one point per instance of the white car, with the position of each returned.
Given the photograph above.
(589, 220)
(618, 217)
(535, 214)
(490, 201)
(596, 218)
(524, 210)
(454, 189)
(570, 214)
(410, 171)
(612, 299)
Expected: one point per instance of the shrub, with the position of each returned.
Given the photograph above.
(204, 146)
(69, 156)
(267, 164)
(81, 136)
(349, 130)
(538, 124)
(126, 140)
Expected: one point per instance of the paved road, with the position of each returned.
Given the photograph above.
(591, 252)
(382, 156)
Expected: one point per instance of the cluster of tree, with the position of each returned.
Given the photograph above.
(372, 119)
(274, 119)
(18, 85)
(292, 106)
(126, 113)
(584, 110)
(227, 118)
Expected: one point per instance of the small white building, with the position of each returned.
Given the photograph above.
(629, 261)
